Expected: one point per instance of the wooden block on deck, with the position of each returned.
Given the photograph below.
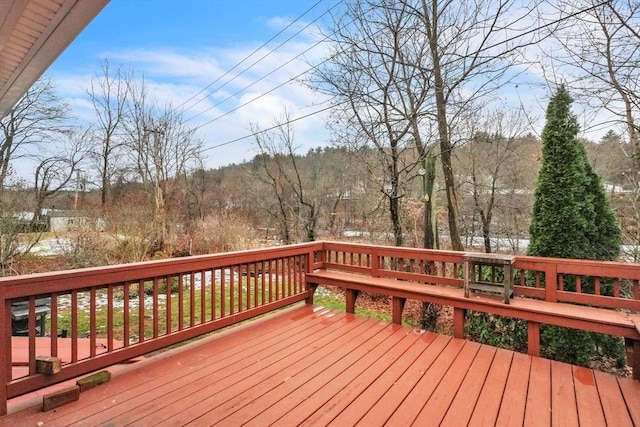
(94, 380)
(48, 365)
(59, 398)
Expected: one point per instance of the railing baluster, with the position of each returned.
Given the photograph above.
(53, 319)
(232, 284)
(214, 291)
(141, 311)
(168, 303)
(263, 271)
(203, 297)
(110, 319)
(223, 288)
(126, 311)
(31, 328)
(156, 320)
(92, 322)
(242, 269)
(180, 302)
(192, 296)
(74, 326)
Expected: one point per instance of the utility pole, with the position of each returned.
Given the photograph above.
(78, 187)
(428, 173)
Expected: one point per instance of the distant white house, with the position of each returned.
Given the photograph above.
(63, 221)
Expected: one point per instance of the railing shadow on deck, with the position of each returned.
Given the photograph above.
(143, 307)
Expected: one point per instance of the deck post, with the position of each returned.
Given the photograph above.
(5, 350)
(458, 322)
(351, 295)
(398, 307)
(533, 338)
(311, 289)
(636, 360)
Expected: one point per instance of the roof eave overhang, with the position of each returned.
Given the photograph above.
(59, 31)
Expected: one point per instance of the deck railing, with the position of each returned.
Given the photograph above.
(143, 307)
(614, 285)
(140, 308)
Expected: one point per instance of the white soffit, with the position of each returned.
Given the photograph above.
(33, 33)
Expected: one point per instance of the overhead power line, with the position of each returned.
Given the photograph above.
(502, 42)
(258, 60)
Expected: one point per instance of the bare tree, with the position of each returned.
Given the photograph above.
(379, 92)
(489, 164)
(163, 148)
(284, 176)
(469, 57)
(55, 171)
(602, 61)
(38, 117)
(108, 94)
(400, 69)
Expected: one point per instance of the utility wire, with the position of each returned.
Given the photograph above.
(253, 134)
(258, 81)
(270, 52)
(258, 132)
(247, 57)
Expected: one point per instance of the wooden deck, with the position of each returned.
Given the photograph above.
(311, 366)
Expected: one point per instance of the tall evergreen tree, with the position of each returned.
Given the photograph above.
(572, 218)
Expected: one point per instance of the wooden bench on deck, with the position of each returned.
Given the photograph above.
(535, 312)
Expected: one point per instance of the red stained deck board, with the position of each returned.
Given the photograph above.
(373, 394)
(345, 387)
(463, 404)
(631, 392)
(321, 366)
(564, 411)
(319, 390)
(436, 407)
(379, 414)
(538, 409)
(305, 401)
(244, 400)
(327, 364)
(615, 410)
(149, 377)
(515, 393)
(587, 397)
(406, 413)
(486, 410)
(211, 385)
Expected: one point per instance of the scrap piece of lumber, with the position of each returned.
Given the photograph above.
(48, 365)
(94, 380)
(59, 398)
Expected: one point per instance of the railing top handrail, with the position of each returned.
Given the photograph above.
(533, 262)
(56, 281)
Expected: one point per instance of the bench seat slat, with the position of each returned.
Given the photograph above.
(561, 314)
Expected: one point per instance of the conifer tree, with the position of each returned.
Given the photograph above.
(571, 218)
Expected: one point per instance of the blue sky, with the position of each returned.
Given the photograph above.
(183, 46)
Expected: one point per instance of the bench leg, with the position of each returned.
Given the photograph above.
(533, 338)
(633, 356)
(398, 307)
(352, 295)
(458, 322)
(312, 290)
